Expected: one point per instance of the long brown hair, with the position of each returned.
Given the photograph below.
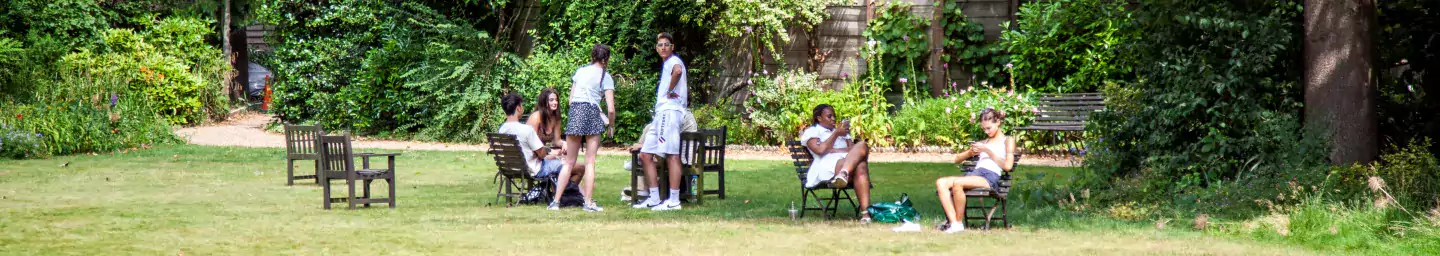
(548, 116)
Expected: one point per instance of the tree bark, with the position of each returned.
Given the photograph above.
(1340, 82)
(937, 46)
(225, 47)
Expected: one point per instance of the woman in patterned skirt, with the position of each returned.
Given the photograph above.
(586, 124)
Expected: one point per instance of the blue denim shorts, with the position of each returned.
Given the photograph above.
(549, 168)
(989, 176)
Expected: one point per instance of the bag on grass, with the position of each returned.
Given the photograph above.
(892, 212)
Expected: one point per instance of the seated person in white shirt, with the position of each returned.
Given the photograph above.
(540, 162)
(838, 158)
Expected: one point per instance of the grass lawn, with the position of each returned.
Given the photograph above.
(233, 201)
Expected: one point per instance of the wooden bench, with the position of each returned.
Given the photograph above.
(703, 152)
(1065, 113)
(975, 199)
(828, 206)
(337, 162)
(513, 174)
(301, 142)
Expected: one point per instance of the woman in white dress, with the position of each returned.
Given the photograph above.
(839, 160)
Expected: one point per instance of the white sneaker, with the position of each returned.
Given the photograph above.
(955, 228)
(648, 203)
(592, 207)
(554, 206)
(907, 226)
(668, 205)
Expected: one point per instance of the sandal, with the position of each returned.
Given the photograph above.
(840, 179)
(865, 219)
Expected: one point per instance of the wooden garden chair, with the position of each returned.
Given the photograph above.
(703, 152)
(301, 142)
(981, 203)
(337, 162)
(828, 206)
(513, 174)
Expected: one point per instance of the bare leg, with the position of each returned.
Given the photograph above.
(859, 170)
(674, 161)
(942, 186)
(861, 179)
(647, 160)
(572, 149)
(592, 150)
(960, 185)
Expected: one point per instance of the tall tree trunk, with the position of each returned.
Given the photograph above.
(937, 46)
(1340, 85)
(225, 48)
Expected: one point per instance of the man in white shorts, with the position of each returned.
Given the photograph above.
(670, 104)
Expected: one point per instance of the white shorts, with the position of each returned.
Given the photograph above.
(667, 141)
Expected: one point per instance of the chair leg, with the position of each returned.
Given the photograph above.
(367, 193)
(289, 172)
(1004, 213)
(721, 185)
(326, 188)
(804, 202)
(350, 199)
(391, 182)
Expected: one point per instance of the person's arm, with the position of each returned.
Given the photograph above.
(967, 154)
(822, 147)
(534, 122)
(676, 71)
(610, 103)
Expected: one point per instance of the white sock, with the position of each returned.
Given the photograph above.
(674, 195)
(654, 195)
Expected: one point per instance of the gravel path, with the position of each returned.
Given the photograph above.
(247, 130)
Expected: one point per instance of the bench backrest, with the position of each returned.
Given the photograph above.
(301, 140)
(802, 159)
(710, 149)
(336, 158)
(1066, 112)
(508, 156)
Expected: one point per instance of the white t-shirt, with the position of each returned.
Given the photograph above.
(588, 86)
(819, 132)
(662, 92)
(529, 142)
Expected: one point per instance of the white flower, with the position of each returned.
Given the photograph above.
(984, 83)
(967, 104)
(947, 110)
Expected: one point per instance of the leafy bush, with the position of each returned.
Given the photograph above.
(739, 128)
(965, 45)
(1215, 107)
(77, 24)
(81, 112)
(899, 40)
(182, 78)
(783, 105)
(1072, 45)
(952, 121)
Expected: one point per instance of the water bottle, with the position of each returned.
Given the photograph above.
(692, 186)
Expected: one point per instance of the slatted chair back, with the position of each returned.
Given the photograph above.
(336, 161)
(301, 140)
(802, 158)
(1066, 112)
(508, 156)
(712, 143)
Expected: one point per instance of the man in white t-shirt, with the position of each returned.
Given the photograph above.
(671, 97)
(539, 163)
